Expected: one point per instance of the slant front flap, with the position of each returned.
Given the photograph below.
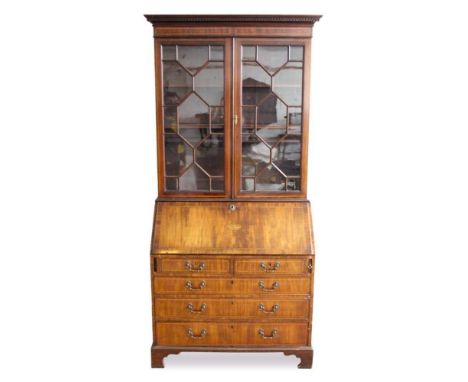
(233, 228)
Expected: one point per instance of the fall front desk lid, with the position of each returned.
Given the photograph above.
(276, 228)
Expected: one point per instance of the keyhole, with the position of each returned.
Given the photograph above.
(232, 207)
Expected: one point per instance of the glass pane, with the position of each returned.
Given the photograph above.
(177, 83)
(192, 57)
(217, 115)
(194, 179)
(293, 184)
(249, 116)
(272, 57)
(248, 53)
(193, 111)
(209, 155)
(217, 184)
(295, 116)
(171, 184)
(296, 53)
(254, 153)
(193, 134)
(287, 157)
(178, 154)
(247, 184)
(271, 111)
(256, 83)
(169, 52)
(287, 83)
(170, 119)
(216, 53)
(209, 83)
(270, 179)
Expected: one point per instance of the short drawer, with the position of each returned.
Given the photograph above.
(259, 308)
(245, 286)
(192, 265)
(237, 334)
(271, 266)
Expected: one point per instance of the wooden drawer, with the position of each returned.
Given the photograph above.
(246, 286)
(192, 265)
(258, 308)
(239, 334)
(271, 266)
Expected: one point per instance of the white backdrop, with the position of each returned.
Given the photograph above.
(388, 185)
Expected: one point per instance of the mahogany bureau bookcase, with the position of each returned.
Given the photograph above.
(232, 252)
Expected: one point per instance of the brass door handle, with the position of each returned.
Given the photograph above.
(201, 310)
(274, 308)
(269, 267)
(190, 267)
(274, 286)
(274, 333)
(202, 334)
(190, 286)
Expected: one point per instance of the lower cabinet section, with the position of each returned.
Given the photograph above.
(205, 308)
(231, 334)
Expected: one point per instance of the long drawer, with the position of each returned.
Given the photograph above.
(258, 308)
(221, 334)
(241, 286)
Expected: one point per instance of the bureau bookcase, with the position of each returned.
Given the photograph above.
(232, 252)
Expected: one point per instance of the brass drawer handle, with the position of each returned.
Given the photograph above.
(274, 333)
(269, 267)
(274, 308)
(202, 334)
(274, 286)
(201, 310)
(190, 286)
(190, 267)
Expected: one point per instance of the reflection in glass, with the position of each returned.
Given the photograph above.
(270, 179)
(171, 183)
(293, 184)
(194, 179)
(217, 184)
(248, 53)
(177, 83)
(193, 134)
(178, 154)
(169, 52)
(249, 116)
(248, 184)
(192, 57)
(254, 151)
(288, 157)
(193, 111)
(272, 57)
(216, 53)
(287, 83)
(170, 119)
(256, 83)
(210, 153)
(296, 53)
(209, 83)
